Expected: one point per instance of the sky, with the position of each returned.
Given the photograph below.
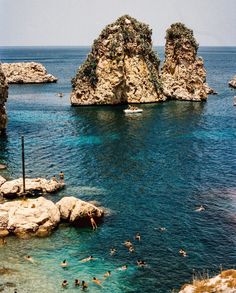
(79, 22)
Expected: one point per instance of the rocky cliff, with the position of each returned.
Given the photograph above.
(121, 68)
(3, 99)
(27, 72)
(224, 283)
(183, 73)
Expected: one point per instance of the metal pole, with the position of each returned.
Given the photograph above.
(23, 161)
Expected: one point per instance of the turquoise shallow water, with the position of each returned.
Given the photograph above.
(150, 170)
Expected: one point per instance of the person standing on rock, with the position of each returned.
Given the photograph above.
(61, 176)
(92, 221)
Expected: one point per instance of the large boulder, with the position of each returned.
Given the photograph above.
(121, 68)
(76, 210)
(32, 217)
(224, 282)
(232, 82)
(3, 99)
(33, 186)
(27, 72)
(183, 73)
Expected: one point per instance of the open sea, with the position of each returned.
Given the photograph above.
(150, 170)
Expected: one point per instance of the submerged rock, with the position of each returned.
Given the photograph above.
(183, 73)
(76, 210)
(33, 186)
(27, 72)
(224, 282)
(32, 217)
(232, 82)
(121, 68)
(3, 99)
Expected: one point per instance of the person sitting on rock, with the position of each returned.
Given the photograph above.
(77, 282)
(54, 178)
(84, 285)
(64, 264)
(64, 284)
(92, 221)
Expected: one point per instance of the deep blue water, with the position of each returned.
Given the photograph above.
(150, 170)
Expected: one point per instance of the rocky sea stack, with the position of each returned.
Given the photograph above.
(121, 68)
(3, 99)
(27, 72)
(232, 82)
(183, 73)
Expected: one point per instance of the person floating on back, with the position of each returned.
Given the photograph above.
(97, 282)
(87, 259)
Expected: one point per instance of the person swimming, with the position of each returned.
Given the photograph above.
(123, 268)
(88, 259)
(97, 282)
(141, 263)
(84, 286)
(107, 274)
(138, 236)
(200, 209)
(162, 229)
(128, 243)
(77, 282)
(182, 252)
(131, 249)
(29, 258)
(64, 284)
(64, 264)
(112, 251)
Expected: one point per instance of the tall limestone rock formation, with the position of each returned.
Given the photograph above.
(183, 73)
(121, 68)
(3, 99)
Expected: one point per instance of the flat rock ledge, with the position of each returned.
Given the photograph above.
(14, 188)
(39, 217)
(232, 82)
(224, 282)
(27, 72)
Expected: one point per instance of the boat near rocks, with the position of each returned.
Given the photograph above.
(133, 110)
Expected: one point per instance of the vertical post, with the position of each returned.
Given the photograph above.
(23, 161)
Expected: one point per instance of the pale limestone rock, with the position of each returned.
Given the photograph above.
(121, 68)
(183, 73)
(3, 99)
(2, 180)
(32, 217)
(27, 72)
(224, 283)
(36, 185)
(76, 210)
(232, 82)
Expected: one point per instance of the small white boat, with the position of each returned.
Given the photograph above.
(133, 111)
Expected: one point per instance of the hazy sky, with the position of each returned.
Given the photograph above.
(79, 22)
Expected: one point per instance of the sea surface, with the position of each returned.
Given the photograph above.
(150, 170)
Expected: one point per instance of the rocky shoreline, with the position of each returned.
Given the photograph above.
(3, 99)
(40, 216)
(232, 82)
(27, 72)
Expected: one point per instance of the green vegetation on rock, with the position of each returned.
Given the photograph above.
(178, 32)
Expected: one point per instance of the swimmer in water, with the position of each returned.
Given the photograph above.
(107, 274)
(123, 268)
(3, 241)
(141, 263)
(29, 258)
(162, 229)
(138, 236)
(200, 209)
(64, 284)
(128, 243)
(87, 259)
(64, 264)
(131, 249)
(112, 251)
(97, 282)
(182, 252)
(92, 221)
(77, 282)
(84, 285)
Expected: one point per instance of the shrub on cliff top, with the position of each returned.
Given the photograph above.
(177, 32)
